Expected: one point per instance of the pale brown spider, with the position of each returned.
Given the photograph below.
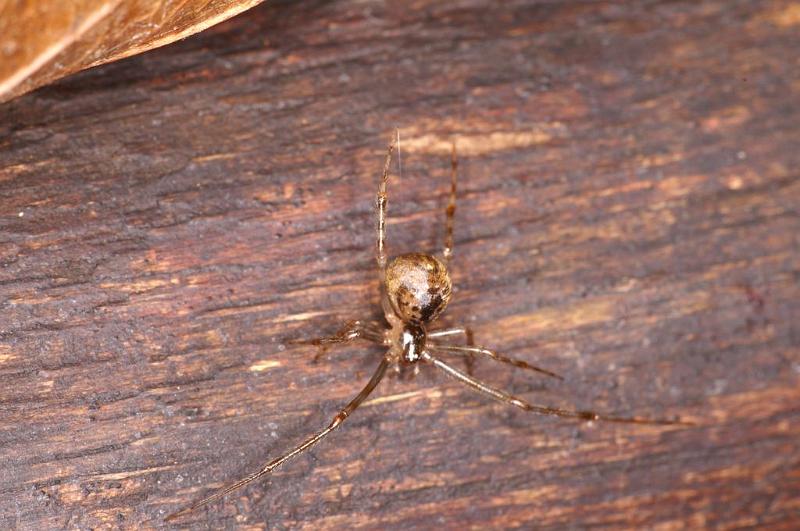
(416, 288)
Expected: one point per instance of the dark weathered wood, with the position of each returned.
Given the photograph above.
(628, 217)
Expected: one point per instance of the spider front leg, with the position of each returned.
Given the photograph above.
(502, 396)
(471, 350)
(458, 331)
(351, 330)
(469, 339)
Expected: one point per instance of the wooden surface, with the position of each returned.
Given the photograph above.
(628, 217)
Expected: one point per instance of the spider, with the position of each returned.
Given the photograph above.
(415, 290)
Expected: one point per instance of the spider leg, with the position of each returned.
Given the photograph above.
(381, 200)
(504, 397)
(451, 208)
(467, 333)
(350, 331)
(493, 355)
(305, 445)
(468, 338)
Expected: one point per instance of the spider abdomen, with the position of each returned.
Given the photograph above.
(418, 287)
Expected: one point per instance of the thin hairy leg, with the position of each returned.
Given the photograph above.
(451, 208)
(448, 332)
(305, 445)
(469, 338)
(504, 397)
(451, 349)
(350, 331)
(382, 200)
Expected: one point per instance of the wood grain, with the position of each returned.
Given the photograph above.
(45, 40)
(627, 217)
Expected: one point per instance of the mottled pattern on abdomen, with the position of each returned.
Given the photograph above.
(418, 287)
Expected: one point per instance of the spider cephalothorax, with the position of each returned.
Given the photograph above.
(410, 343)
